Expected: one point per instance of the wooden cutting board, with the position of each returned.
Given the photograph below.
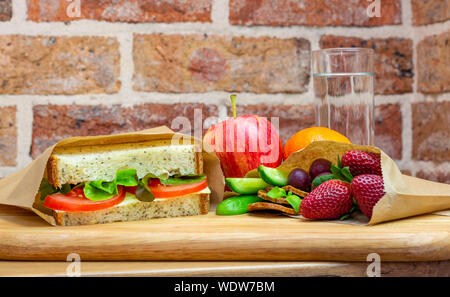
(25, 236)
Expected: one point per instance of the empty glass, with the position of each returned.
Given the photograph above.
(343, 89)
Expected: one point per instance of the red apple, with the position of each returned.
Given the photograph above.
(243, 143)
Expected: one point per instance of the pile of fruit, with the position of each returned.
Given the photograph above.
(327, 191)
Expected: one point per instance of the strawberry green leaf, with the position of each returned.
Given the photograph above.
(339, 162)
(344, 217)
(337, 172)
(321, 179)
(347, 174)
(352, 210)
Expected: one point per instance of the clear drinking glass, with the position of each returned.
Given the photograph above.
(343, 89)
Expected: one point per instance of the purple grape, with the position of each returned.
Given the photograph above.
(299, 178)
(319, 166)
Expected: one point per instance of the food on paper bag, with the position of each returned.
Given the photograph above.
(304, 137)
(123, 182)
(333, 187)
(359, 178)
(243, 143)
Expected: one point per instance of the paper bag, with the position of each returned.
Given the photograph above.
(20, 189)
(405, 195)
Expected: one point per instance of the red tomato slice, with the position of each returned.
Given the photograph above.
(163, 191)
(72, 202)
(131, 190)
(76, 192)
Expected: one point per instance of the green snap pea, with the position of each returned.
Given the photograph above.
(236, 205)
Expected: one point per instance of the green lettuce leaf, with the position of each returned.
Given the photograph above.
(102, 190)
(127, 178)
(108, 187)
(45, 188)
(96, 194)
(143, 193)
(65, 189)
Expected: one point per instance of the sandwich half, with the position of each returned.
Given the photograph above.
(123, 182)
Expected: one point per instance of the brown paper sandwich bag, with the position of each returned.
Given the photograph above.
(405, 196)
(21, 188)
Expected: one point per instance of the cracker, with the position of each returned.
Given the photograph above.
(295, 191)
(271, 206)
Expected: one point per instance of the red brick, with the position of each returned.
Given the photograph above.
(430, 11)
(52, 123)
(431, 131)
(8, 136)
(437, 176)
(5, 10)
(132, 11)
(202, 63)
(388, 129)
(393, 60)
(291, 118)
(433, 64)
(58, 65)
(312, 13)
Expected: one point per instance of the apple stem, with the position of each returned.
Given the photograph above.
(233, 104)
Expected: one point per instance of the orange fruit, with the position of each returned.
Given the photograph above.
(306, 136)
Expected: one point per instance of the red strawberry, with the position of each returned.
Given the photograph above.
(360, 162)
(367, 189)
(330, 200)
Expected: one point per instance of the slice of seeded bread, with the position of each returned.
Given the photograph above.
(89, 163)
(188, 205)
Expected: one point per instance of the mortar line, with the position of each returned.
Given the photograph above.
(19, 12)
(405, 106)
(24, 132)
(102, 28)
(126, 62)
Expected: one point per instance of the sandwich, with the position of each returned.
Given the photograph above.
(123, 182)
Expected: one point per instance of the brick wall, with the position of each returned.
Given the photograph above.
(126, 65)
